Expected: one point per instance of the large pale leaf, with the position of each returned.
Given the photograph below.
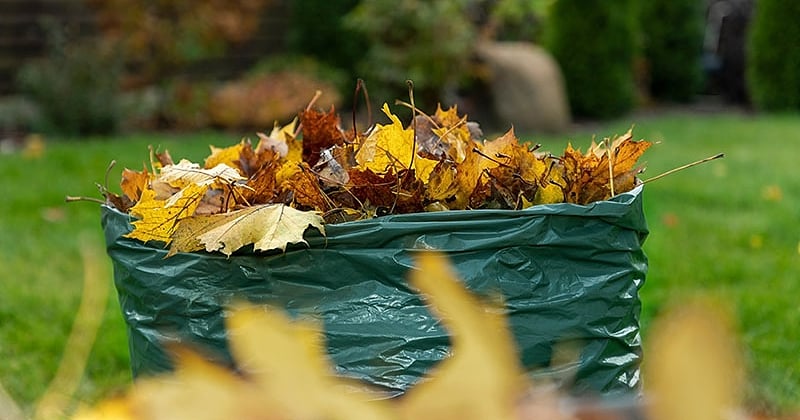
(267, 227)
(185, 172)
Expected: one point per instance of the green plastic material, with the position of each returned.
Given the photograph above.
(568, 274)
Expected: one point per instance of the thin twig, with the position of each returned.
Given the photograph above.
(108, 172)
(361, 86)
(610, 166)
(413, 122)
(680, 168)
(311, 103)
(478, 151)
(418, 111)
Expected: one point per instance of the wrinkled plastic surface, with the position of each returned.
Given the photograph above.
(568, 273)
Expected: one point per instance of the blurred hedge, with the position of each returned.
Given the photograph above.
(594, 41)
(673, 44)
(75, 86)
(317, 29)
(774, 57)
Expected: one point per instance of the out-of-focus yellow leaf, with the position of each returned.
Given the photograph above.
(482, 379)
(285, 375)
(391, 147)
(287, 361)
(197, 389)
(34, 146)
(693, 369)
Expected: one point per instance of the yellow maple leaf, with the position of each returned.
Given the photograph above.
(267, 227)
(468, 174)
(228, 156)
(392, 147)
(550, 193)
(158, 219)
(470, 384)
(443, 182)
(287, 171)
(454, 133)
(185, 238)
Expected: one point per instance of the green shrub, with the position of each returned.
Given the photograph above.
(518, 20)
(428, 42)
(594, 43)
(317, 29)
(773, 56)
(673, 46)
(75, 87)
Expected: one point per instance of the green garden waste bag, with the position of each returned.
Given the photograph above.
(567, 273)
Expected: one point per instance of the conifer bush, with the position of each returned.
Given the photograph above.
(773, 65)
(594, 41)
(672, 33)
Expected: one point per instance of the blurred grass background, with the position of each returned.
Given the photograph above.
(725, 230)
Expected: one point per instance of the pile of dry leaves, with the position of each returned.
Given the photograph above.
(314, 172)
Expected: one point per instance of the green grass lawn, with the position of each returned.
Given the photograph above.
(726, 229)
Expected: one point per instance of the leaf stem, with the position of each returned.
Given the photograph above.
(72, 199)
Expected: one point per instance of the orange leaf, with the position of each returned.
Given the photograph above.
(134, 182)
(320, 131)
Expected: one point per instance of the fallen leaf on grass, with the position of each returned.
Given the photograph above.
(693, 370)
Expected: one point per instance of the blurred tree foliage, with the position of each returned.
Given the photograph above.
(594, 41)
(428, 42)
(159, 35)
(774, 57)
(317, 29)
(517, 20)
(75, 86)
